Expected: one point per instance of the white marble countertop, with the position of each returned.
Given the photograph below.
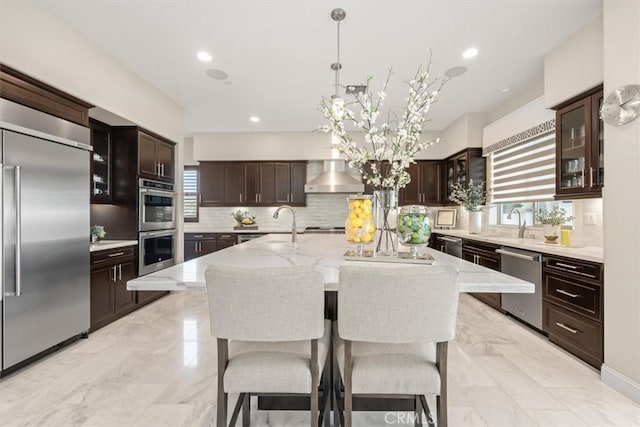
(323, 251)
(586, 253)
(103, 245)
(260, 230)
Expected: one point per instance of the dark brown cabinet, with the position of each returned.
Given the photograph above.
(572, 302)
(463, 167)
(484, 254)
(234, 184)
(252, 183)
(426, 184)
(110, 299)
(199, 244)
(580, 147)
(25, 90)
(212, 183)
(101, 171)
(155, 157)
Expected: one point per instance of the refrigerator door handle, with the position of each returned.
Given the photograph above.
(18, 255)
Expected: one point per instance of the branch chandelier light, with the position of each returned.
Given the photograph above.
(337, 15)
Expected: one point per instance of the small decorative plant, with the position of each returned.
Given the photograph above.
(97, 232)
(551, 222)
(243, 217)
(471, 197)
(556, 216)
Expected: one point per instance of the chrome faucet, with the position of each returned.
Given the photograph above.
(521, 228)
(294, 235)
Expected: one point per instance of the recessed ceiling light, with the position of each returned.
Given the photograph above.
(456, 71)
(254, 119)
(216, 74)
(505, 89)
(204, 56)
(470, 53)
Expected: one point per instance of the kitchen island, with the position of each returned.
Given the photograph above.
(323, 251)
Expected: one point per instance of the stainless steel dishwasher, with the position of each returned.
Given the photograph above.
(452, 246)
(527, 266)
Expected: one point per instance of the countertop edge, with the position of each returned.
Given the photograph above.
(575, 253)
(105, 245)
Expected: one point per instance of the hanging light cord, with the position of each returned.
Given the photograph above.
(338, 64)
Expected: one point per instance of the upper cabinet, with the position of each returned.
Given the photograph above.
(101, 162)
(25, 90)
(252, 183)
(426, 184)
(580, 147)
(461, 168)
(155, 157)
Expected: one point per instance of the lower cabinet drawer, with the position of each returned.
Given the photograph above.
(579, 296)
(577, 334)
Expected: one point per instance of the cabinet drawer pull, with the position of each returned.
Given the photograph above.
(198, 235)
(562, 291)
(225, 236)
(562, 325)
(116, 254)
(591, 176)
(119, 271)
(573, 267)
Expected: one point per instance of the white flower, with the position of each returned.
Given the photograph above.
(396, 143)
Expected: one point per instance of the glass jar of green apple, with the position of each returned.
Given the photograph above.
(414, 227)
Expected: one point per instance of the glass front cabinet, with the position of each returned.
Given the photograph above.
(100, 162)
(462, 167)
(580, 148)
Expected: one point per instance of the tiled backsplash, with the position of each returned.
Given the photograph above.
(321, 210)
(583, 234)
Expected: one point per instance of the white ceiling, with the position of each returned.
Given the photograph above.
(277, 53)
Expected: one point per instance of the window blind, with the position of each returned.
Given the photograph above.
(524, 171)
(190, 191)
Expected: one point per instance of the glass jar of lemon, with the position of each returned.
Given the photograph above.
(360, 227)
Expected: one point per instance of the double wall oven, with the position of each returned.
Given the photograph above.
(157, 225)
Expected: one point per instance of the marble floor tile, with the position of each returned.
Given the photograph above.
(157, 367)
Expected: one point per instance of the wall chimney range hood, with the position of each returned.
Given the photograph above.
(334, 179)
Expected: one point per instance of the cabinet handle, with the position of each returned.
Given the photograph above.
(288, 197)
(566, 328)
(200, 198)
(582, 177)
(240, 197)
(198, 235)
(573, 267)
(590, 176)
(562, 291)
(113, 270)
(259, 197)
(199, 246)
(116, 254)
(119, 271)
(157, 168)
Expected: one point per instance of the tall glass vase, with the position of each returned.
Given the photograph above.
(385, 212)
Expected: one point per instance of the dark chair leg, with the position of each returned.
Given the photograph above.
(246, 410)
(221, 417)
(441, 400)
(417, 411)
(315, 381)
(348, 396)
(327, 387)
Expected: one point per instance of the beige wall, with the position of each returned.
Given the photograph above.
(575, 65)
(519, 120)
(36, 42)
(531, 92)
(621, 205)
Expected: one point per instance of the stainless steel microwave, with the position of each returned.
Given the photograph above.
(157, 208)
(157, 250)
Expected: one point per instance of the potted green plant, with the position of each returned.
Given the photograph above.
(551, 222)
(472, 197)
(97, 233)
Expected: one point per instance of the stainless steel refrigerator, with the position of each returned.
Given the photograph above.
(45, 232)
